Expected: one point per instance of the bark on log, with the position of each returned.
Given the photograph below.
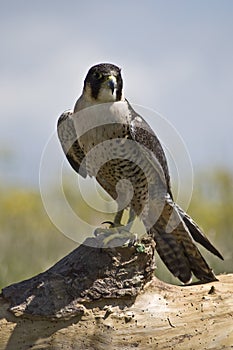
(108, 299)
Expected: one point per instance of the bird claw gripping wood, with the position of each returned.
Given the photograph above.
(115, 236)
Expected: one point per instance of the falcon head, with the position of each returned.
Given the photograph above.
(103, 83)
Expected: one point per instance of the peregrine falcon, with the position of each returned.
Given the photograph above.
(105, 138)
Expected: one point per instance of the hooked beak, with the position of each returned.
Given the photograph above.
(112, 83)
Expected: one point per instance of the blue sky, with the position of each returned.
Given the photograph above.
(176, 58)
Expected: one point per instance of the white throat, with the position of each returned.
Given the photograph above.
(86, 100)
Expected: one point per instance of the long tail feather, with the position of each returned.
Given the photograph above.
(176, 246)
(197, 234)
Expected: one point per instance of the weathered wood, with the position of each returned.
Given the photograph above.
(87, 274)
(107, 299)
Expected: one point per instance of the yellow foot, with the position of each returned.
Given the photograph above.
(115, 237)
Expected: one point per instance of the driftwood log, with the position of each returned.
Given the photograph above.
(98, 299)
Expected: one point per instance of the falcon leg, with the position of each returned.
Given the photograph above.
(118, 217)
(140, 247)
(131, 219)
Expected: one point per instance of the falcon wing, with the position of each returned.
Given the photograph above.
(76, 157)
(68, 139)
(144, 135)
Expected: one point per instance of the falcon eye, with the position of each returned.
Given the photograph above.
(98, 75)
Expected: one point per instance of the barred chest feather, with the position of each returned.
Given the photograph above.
(111, 154)
(103, 132)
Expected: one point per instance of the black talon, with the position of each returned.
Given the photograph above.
(108, 222)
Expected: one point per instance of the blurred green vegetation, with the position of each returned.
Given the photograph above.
(30, 243)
